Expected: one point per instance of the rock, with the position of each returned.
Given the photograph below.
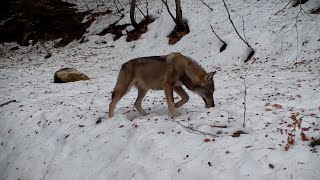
(66, 75)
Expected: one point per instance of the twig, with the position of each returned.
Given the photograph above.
(1, 105)
(243, 29)
(119, 10)
(223, 47)
(100, 47)
(217, 35)
(48, 52)
(244, 103)
(234, 25)
(296, 25)
(190, 129)
(166, 4)
(283, 8)
(141, 11)
(206, 5)
(245, 97)
(147, 8)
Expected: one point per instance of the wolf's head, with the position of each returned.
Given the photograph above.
(205, 89)
(200, 82)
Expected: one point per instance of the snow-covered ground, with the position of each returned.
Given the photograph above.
(50, 132)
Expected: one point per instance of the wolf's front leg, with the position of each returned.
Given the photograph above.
(169, 95)
(182, 93)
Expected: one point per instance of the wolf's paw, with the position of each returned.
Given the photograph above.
(175, 114)
(178, 104)
(145, 114)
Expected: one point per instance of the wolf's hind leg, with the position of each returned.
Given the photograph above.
(137, 104)
(117, 94)
(122, 87)
(182, 93)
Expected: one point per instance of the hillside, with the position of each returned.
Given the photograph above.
(266, 115)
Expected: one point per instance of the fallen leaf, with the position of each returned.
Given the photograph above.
(278, 106)
(304, 137)
(218, 126)
(238, 133)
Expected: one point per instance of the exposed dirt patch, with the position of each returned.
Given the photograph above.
(238, 133)
(115, 29)
(132, 35)
(177, 34)
(143, 27)
(42, 20)
(316, 11)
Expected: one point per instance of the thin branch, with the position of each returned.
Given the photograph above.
(147, 8)
(100, 47)
(166, 4)
(48, 52)
(141, 11)
(119, 10)
(190, 129)
(244, 103)
(206, 5)
(283, 8)
(245, 96)
(1, 105)
(223, 47)
(217, 35)
(296, 25)
(243, 29)
(234, 26)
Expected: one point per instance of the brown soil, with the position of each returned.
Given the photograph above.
(114, 29)
(136, 33)
(177, 34)
(316, 11)
(132, 35)
(50, 20)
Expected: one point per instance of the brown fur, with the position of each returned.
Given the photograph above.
(163, 72)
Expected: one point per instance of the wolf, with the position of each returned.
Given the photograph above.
(168, 73)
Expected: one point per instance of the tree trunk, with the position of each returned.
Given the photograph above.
(179, 21)
(132, 13)
(27, 16)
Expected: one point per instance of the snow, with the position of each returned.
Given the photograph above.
(50, 132)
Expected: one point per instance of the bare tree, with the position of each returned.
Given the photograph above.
(178, 20)
(27, 17)
(235, 29)
(132, 14)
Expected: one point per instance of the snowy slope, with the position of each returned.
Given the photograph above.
(50, 132)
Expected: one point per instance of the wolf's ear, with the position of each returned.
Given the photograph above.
(210, 75)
